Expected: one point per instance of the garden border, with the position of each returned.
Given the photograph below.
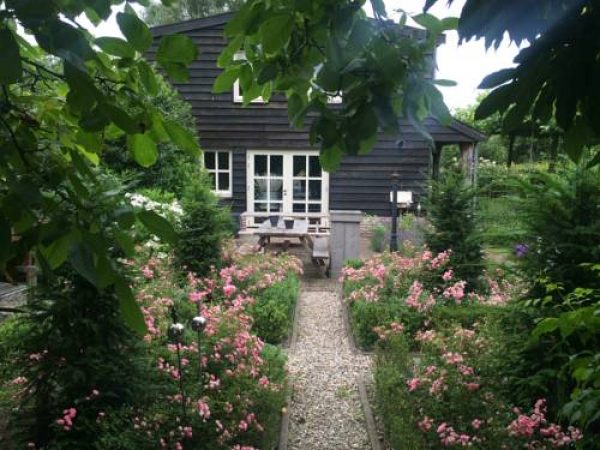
(289, 343)
(348, 325)
(362, 381)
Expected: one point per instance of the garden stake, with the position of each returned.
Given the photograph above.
(176, 334)
(198, 324)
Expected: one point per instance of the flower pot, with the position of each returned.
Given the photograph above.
(289, 223)
(274, 220)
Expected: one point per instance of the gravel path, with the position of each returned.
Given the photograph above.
(325, 413)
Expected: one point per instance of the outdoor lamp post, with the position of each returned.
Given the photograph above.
(394, 211)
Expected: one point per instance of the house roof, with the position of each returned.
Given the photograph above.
(221, 19)
(193, 24)
(467, 130)
(218, 20)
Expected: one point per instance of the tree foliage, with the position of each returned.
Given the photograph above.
(556, 74)
(60, 102)
(160, 14)
(312, 50)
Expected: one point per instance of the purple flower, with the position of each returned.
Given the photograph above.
(521, 250)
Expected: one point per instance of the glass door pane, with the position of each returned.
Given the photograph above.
(268, 183)
(308, 184)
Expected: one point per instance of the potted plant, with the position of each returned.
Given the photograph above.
(274, 220)
(289, 223)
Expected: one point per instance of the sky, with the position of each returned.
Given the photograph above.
(466, 64)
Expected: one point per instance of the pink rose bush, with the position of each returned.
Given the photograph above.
(392, 287)
(233, 383)
(444, 356)
(221, 388)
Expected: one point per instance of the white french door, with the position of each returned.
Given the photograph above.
(280, 183)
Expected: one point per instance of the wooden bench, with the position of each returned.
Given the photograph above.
(320, 252)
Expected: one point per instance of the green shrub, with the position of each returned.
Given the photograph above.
(76, 342)
(392, 402)
(570, 369)
(460, 383)
(564, 234)
(273, 312)
(204, 226)
(366, 317)
(450, 211)
(378, 239)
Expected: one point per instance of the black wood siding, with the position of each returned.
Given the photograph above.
(360, 183)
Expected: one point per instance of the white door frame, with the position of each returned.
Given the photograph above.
(288, 180)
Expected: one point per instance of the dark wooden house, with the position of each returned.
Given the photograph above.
(262, 165)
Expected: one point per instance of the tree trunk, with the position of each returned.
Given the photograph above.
(511, 149)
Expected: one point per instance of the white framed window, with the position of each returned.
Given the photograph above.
(218, 163)
(238, 95)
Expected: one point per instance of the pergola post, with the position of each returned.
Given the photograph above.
(467, 160)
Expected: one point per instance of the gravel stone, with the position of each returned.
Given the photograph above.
(325, 410)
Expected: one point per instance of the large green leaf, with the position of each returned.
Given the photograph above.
(182, 138)
(81, 258)
(120, 118)
(135, 31)
(428, 21)
(148, 78)
(58, 251)
(158, 225)
(130, 310)
(497, 78)
(142, 149)
(276, 32)
(116, 47)
(11, 68)
(225, 80)
(330, 158)
(175, 53)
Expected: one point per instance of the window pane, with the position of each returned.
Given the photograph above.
(260, 165)
(299, 166)
(314, 207)
(276, 189)
(299, 207)
(277, 165)
(276, 207)
(314, 187)
(213, 184)
(223, 160)
(260, 207)
(299, 190)
(260, 188)
(223, 181)
(315, 166)
(209, 160)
